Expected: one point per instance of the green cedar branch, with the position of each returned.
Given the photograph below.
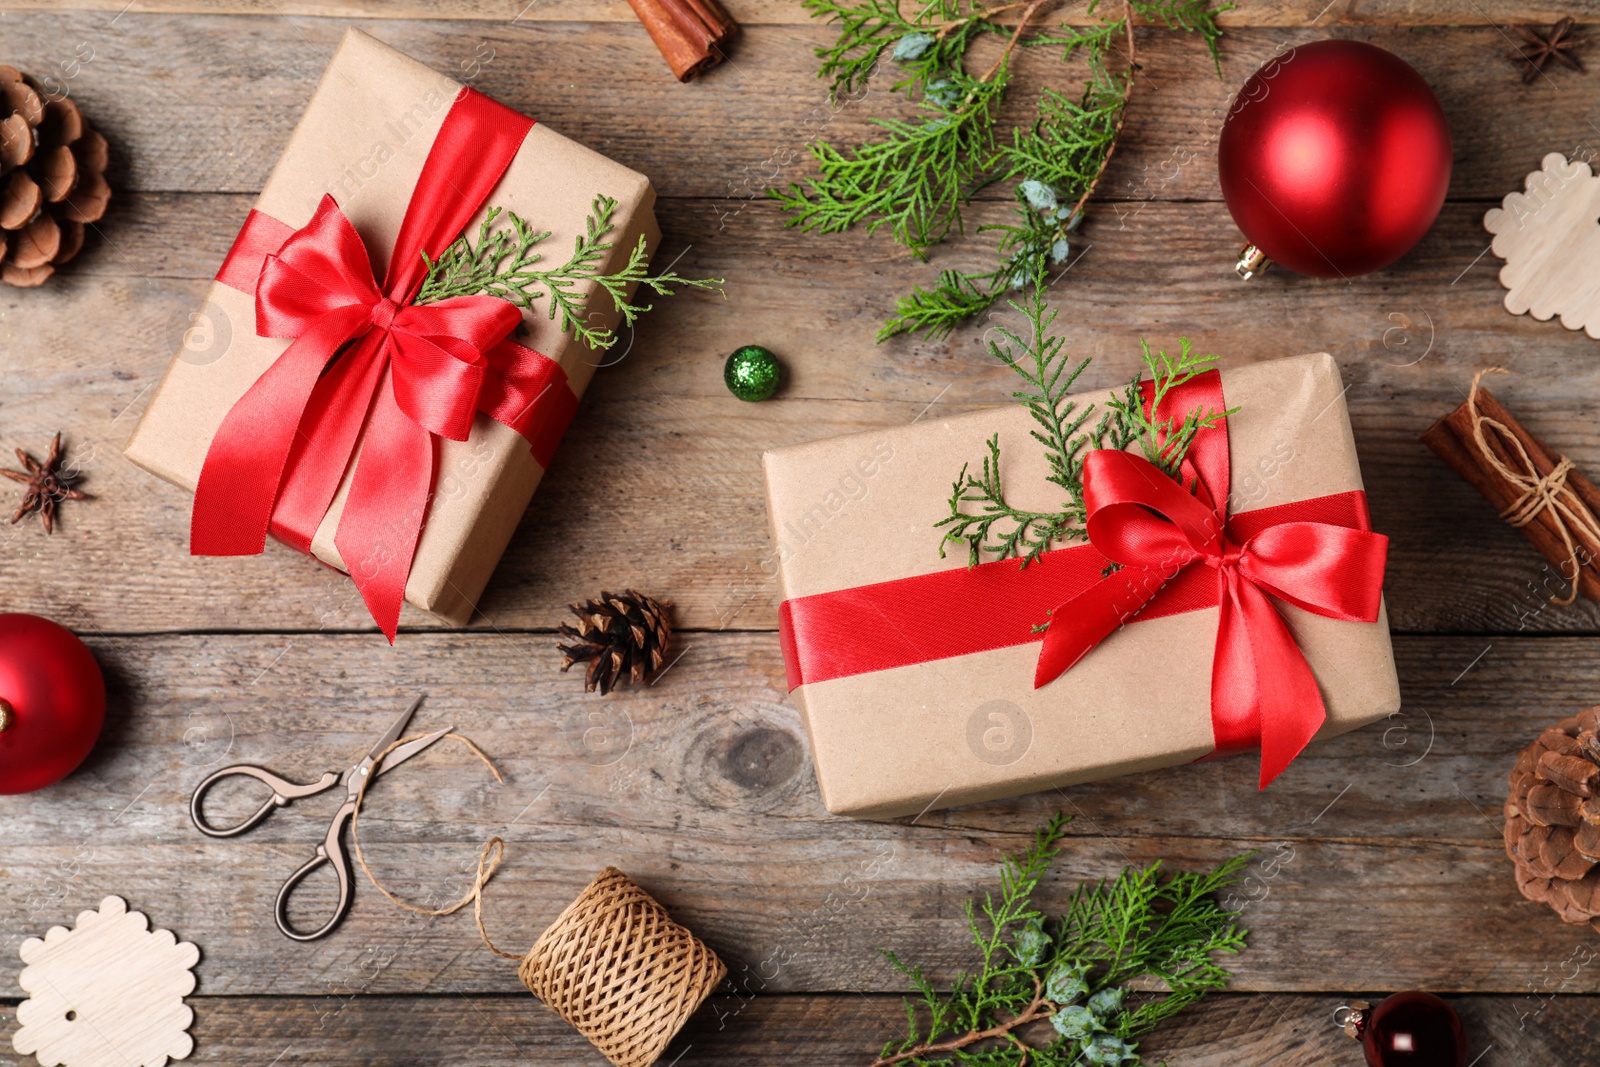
(983, 520)
(915, 180)
(503, 263)
(919, 175)
(1160, 930)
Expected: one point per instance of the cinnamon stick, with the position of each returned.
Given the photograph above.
(1453, 440)
(689, 33)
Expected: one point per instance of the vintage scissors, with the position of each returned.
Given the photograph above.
(332, 848)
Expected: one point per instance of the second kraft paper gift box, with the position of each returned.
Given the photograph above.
(369, 134)
(854, 515)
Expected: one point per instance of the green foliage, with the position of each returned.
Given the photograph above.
(1196, 16)
(1146, 926)
(915, 179)
(980, 516)
(503, 263)
(928, 45)
(919, 175)
(1163, 442)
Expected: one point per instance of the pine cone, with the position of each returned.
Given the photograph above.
(617, 636)
(1552, 828)
(52, 179)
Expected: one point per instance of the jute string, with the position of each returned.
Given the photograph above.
(613, 964)
(1550, 493)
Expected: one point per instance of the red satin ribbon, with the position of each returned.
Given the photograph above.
(282, 450)
(1179, 551)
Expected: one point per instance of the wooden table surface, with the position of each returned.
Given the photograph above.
(701, 786)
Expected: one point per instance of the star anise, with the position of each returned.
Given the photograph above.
(1541, 48)
(47, 484)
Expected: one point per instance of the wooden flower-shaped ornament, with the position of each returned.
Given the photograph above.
(107, 993)
(1549, 236)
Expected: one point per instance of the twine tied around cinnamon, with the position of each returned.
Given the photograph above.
(1549, 493)
(614, 964)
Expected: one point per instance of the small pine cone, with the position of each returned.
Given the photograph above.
(1552, 829)
(52, 179)
(619, 637)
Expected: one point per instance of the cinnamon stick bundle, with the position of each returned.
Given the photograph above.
(690, 33)
(1532, 487)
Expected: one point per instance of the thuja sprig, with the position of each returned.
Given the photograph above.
(1165, 442)
(914, 180)
(1056, 163)
(980, 516)
(1162, 930)
(503, 262)
(919, 175)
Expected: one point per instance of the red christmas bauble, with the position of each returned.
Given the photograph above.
(1334, 159)
(1413, 1030)
(52, 702)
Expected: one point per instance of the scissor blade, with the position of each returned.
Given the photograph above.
(395, 730)
(409, 749)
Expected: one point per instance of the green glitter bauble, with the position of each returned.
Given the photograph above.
(751, 373)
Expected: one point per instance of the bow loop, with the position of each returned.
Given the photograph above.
(1137, 516)
(1330, 570)
(321, 268)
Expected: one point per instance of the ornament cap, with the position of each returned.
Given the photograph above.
(1352, 1018)
(7, 716)
(1252, 261)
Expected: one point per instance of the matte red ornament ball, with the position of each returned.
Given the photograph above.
(1414, 1029)
(1335, 158)
(52, 702)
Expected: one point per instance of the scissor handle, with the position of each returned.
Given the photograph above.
(331, 851)
(283, 791)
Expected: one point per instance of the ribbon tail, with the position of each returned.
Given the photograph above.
(1081, 623)
(244, 465)
(382, 518)
(321, 453)
(1262, 688)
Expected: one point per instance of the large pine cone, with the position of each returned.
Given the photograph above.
(619, 637)
(52, 179)
(1553, 819)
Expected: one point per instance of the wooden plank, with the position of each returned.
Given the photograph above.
(707, 139)
(1316, 13)
(662, 462)
(701, 788)
(1226, 1030)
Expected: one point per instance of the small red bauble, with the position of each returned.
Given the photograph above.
(1334, 160)
(1408, 1030)
(52, 702)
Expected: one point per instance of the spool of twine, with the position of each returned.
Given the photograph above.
(617, 968)
(614, 964)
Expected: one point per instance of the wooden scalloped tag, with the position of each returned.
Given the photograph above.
(1549, 236)
(107, 993)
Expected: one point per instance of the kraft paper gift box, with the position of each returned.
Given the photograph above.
(363, 139)
(858, 510)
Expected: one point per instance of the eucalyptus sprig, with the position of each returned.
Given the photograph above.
(980, 516)
(919, 174)
(503, 262)
(1147, 926)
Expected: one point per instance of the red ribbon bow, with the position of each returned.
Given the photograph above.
(409, 373)
(1262, 689)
